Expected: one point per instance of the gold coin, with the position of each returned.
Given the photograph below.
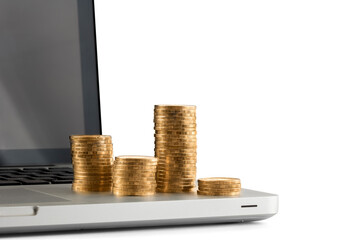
(173, 130)
(106, 160)
(144, 158)
(92, 179)
(165, 190)
(178, 179)
(174, 183)
(176, 170)
(90, 148)
(175, 137)
(92, 156)
(132, 164)
(180, 160)
(178, 182)
(175, 142)
(131, 179)
(161, 177)
(134, 175)
(174, 111)
(136, 168)
(119, 186)
(86, 190)
(163, 155)
(219, 188)
(92, 141)
(92, 145)
(176, 186)
(134, 182)
(122, 193)
(176, 146)
(133, 190)
(175, 125)
(91, 165)
(181, 165)
(163, 149)
(91, 152)
(189, 147)
(177, 165)
(92, 175)
(99, 162)
(165, 141)
(172, 106)
(91, 186)
(89, 136)
(178, 113)
(175, 114)
(92, 168)
(218, 194)
(174, 118)
(219, 185)
(219, 180)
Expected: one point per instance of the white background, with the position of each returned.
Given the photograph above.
(277, 85)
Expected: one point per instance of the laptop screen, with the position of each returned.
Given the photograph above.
(48, 79)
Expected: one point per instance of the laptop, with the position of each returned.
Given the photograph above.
(49, 90)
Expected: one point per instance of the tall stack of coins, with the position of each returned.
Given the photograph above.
(92, 157)
(175, 148)
(218, 186)
(134, 176)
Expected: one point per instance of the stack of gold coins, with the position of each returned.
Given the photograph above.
(92, 158)
(134, 176)
(219, 186)
(175, 148)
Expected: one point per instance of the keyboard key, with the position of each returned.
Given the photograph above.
(38, 175)
(32, 171)
(56, 181)
(17, 179)
(35, 169)
(34, 182)
(9, 183)
(61, 169)
(10, 175)
(47, 179)
(5, 170)
(66, 178)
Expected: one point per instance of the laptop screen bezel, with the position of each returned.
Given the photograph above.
(91, 98)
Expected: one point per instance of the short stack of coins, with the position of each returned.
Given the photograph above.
(134, 176)
(219, 186)
(92, 158)
(175, 148)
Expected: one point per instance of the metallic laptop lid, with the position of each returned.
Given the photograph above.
(48, 79)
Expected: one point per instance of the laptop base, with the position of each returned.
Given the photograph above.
(40, 208)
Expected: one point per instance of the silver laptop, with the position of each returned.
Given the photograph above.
(48, 91)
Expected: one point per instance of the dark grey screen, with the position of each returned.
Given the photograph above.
(42, 92)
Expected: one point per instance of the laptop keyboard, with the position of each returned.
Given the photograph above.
(35, 176)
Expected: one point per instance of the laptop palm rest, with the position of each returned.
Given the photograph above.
(26, 196)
